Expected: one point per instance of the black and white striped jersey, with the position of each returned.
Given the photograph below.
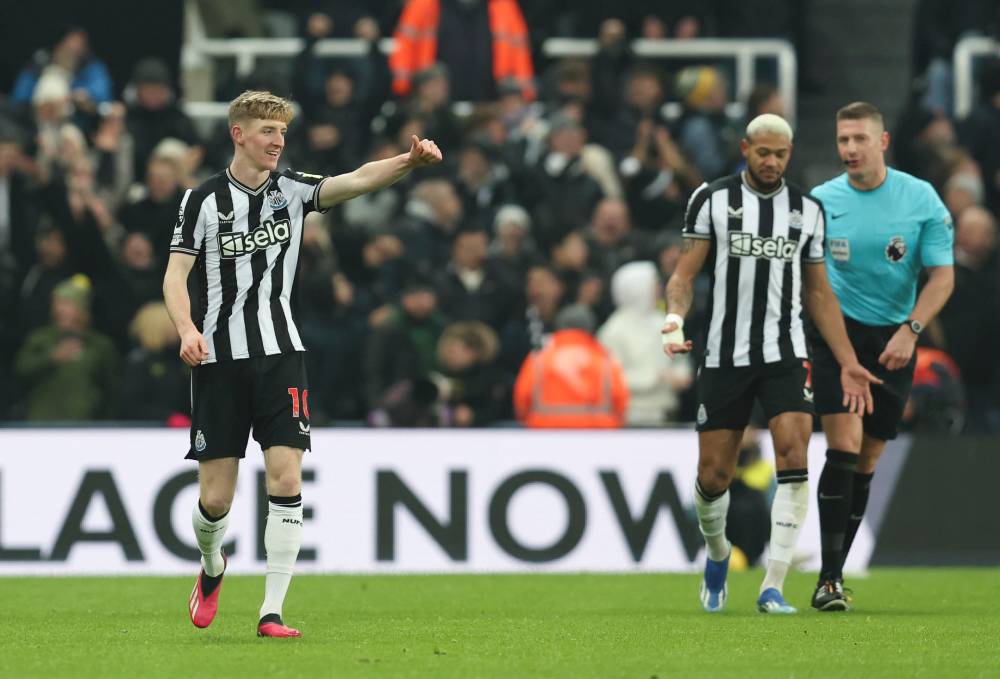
(758, 244)
(247, 245)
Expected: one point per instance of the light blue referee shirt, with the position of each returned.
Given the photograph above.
(878, 241)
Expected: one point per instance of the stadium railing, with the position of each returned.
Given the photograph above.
(744, 53)
(967, 51)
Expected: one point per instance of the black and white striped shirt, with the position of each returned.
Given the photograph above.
(247, 246)
(758, 244)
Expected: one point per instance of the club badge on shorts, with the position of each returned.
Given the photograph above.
(276, 200)
(199, 441)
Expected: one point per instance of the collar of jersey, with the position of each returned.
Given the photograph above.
(746, 184)
(246, 189)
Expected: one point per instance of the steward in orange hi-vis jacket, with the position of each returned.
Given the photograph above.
(572, 383)
(416, 48)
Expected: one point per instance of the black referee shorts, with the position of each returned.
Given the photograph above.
(726, 395)
(268, 394)
(890, 397)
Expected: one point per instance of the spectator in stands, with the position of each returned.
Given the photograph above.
(657, 176)
(335, 133)
(570, 257)
(87, 78)
(630, 334)
(332, 315)
(559, 191)
(69, 371)
(52, 266)
(544, 293)
(971, 319)
(141, 273)
(612, 240)
(154, 114)
(433, 213)
(481, 42)
(473, 288)
(482, 182)
(980, 131)
(18, 209)
(155, 385)
(764, 98)
(573, 382)
(963, 189)
(925, 145)
(704, 132)
(471, 390)
(640, 99)
(400, 355)
(430, 102)
(113, 153)
(375, 263)
(368, 75)
(513, 249)
(152, 211)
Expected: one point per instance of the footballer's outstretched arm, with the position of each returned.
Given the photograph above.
(378, 174)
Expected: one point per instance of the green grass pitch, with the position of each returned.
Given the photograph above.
(907, 623)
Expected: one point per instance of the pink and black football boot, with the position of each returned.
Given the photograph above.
(272, 626)
(204, 601)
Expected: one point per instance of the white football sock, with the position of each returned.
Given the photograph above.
(282, 538)
(788, 513)
(210, 535)
(712, 522)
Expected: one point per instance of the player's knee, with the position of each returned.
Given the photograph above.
(791, 454)
(284, 483)
(216, 505)
(714, 480)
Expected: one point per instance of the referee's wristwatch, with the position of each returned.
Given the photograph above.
(915, 326)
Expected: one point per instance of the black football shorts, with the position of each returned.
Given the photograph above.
(890, 398)
(266, 394)
(726, 395)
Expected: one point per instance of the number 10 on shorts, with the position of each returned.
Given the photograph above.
(294, 393)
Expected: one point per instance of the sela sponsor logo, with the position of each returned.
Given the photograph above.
(749, 245)
(276, 199)
(895, 251)
(232, 245)
(840, 249)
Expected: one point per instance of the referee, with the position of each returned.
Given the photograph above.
(763, 241)
(884, 227)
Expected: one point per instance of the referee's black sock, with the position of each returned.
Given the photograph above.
(859, 501)
(834, 496)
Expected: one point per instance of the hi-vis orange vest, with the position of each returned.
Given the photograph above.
(572, 383)
(416, 44)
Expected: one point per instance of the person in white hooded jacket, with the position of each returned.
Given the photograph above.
(632, 335)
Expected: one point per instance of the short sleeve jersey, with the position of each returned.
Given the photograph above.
(878, 241)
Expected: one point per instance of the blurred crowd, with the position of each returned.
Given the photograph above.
(554, 221)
